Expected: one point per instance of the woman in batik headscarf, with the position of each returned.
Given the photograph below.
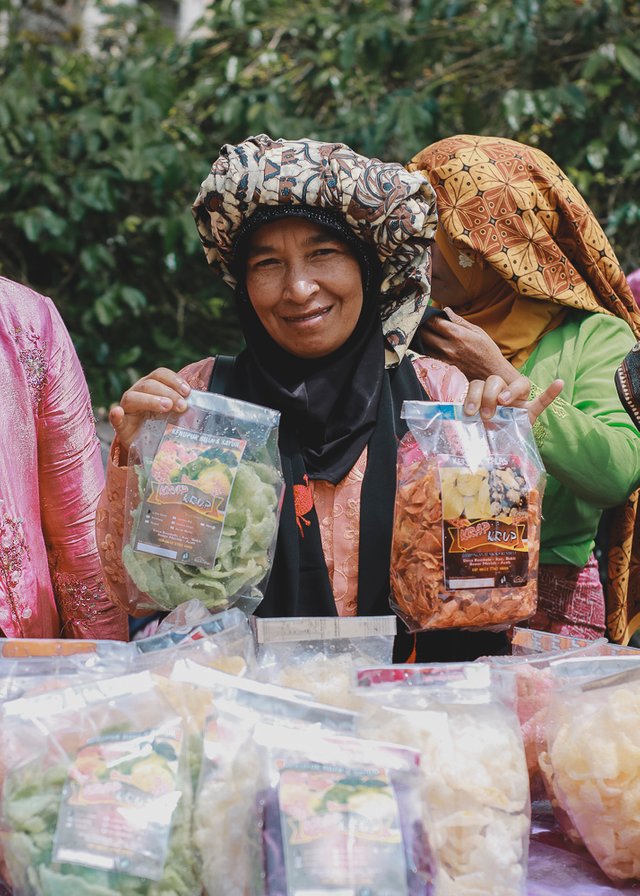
(329, 256)
(531, 284)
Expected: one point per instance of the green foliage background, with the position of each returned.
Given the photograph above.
(101, 154)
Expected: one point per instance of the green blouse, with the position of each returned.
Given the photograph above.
(589, 445)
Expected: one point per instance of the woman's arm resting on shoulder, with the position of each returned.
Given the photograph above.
(465, 345)
(494, 380)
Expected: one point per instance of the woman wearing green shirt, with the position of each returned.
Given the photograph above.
(538, 290)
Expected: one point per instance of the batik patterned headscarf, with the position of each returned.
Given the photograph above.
(384, 204)
(510, 206)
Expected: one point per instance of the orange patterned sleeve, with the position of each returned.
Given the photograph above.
(110, 512)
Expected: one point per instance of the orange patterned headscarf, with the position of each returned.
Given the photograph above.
(510, 208)
(515, 323)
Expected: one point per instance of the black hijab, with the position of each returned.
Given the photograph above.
(331, 408)
(329, 405)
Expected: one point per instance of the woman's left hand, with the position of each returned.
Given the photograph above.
(493, 380)
(466, 346)
(485, 396)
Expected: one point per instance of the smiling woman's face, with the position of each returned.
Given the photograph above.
(305, 286)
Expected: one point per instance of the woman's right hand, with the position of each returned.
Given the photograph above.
(484, 396)
(159, 392)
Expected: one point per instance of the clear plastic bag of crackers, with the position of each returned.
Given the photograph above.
(466, 538)
(590, 759)
(204, 490)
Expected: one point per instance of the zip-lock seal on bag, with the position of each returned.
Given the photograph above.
(319, 654)
(466, 537)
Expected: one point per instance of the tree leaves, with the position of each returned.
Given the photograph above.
(102, 154)
(629, 60)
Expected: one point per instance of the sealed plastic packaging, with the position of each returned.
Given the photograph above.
(224, 831)
(184, 670)
(320, 654)
(227, 819)
(31, 666)
(222, 641)
(474, 785)
(466, 537)
(29, 648)
(533, 654)
(531, 673)
(341, 815)
(204, 490)
(185, 617)
(618, 650)
(592, 759)
(96, 793)
(532, 642)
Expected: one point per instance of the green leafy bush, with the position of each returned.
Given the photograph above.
(101, 154)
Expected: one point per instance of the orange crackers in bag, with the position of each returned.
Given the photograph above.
(466, 537)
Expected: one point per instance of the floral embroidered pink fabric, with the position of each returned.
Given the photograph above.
(31, 354)
(337, 506)
(51, 582)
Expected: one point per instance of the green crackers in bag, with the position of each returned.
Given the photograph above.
(204, 492)
(96, 792)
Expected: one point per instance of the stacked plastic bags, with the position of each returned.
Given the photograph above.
(147, 769)
(100, 757)
(577, 703)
